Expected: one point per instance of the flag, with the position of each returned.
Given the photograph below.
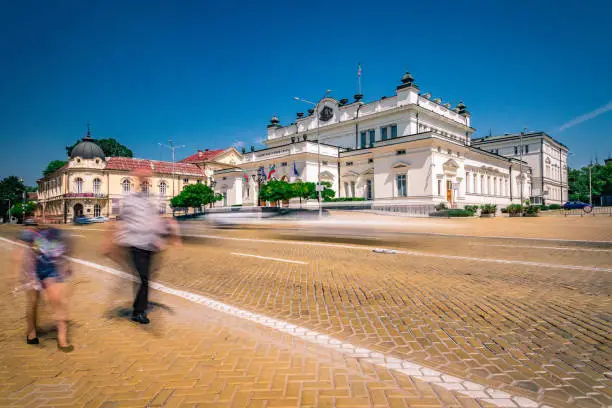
(271, 171)
(245, 175)
(359, 70)
(262, 172)
(295, 172)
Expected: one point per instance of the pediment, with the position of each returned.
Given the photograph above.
(400, 165)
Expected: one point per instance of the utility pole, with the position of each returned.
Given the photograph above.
(521, 164)
(590, 187)
(172, 147)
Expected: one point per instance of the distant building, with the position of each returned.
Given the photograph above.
(546, 156)
(92, 185)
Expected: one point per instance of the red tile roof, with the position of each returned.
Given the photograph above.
(129, 164)
(201, 156)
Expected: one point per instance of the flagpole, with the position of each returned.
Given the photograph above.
(359, 78)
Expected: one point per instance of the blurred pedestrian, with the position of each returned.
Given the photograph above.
(142, 232)
(43, 266)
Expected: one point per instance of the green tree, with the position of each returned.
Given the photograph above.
(601, 182)
(276, 190)
(53, 166)
(195, 196)
(10, 189)
(17, 209)
(111, 148)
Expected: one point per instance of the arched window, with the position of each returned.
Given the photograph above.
(162, 208)
(145, 187)
(97, 210)
(162, 188)
(97, 186)
(125, 186)
(79, 185)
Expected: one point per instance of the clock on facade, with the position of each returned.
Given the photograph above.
(326, 114)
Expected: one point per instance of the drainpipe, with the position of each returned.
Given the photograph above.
(357, 127)
(510, 169)
(339, 180)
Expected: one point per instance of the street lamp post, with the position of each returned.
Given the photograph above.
(23, 199)
(316, 111)
(590, 187)
(172, 147)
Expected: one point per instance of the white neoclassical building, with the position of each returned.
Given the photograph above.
(546, 157)
(404, 149)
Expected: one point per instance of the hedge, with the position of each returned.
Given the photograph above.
(454, 212)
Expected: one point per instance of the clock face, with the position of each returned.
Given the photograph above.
(326, 114)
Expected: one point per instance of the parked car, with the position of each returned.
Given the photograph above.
(100, 218)
(82, 220)
(30, 221)
(577, 205)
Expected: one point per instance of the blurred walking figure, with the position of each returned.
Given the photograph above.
(43, 266)
(142, 232)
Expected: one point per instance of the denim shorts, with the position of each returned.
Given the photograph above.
(48, 272)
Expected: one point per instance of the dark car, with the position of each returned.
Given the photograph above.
(577, 205)
(82, 220)
(30, 222)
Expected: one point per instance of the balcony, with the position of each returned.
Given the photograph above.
(85, 195)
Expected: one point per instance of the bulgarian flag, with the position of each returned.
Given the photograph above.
(271, 171)
(245, 175)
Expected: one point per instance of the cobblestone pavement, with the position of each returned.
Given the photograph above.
(189, 356)
(538, 330)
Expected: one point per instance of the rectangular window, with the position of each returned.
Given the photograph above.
(439, 187)
(363, 140)
(352, 189)
(400, 152)
(324, 163)
(526, 149)
(515, 150)
(393, 131)
(401, 185)
(284, 164)
(383, 133)
(349, 163)
(372, 137)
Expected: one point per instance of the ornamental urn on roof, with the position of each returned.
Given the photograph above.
(407, 81)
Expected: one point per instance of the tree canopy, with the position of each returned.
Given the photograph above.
(601, 181)
(10, 189)
(53, 166)
(279, 190)
(195, 196)
(17, 209)
(111, 148)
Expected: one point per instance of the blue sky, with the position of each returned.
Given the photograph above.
(210, 74)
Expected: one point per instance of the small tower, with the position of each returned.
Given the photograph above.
(274, 123)
(407, 82)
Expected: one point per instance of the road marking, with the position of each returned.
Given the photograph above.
(414, 253)
(547, 247)
(455, 384)
(272, 259)
(77, 235)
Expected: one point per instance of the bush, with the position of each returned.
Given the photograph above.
(554, 207)
(514, 209)
(504, 211)
(442, 206)
(543, 207)
(452, 213)
(488, 209)
(531, 210)
(236, 205)
(472, 208)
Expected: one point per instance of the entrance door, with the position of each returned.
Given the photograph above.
(78, 210)
(369, 190)
(449, 192)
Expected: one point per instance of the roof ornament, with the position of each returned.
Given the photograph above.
(407, 81)
(274, 122)
(461, 109)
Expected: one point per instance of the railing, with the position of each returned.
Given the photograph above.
(594, 211)
(405, 210)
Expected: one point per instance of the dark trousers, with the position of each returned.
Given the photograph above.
(142, 263)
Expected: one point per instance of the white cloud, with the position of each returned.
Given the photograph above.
(238, 144)
(588, 116)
